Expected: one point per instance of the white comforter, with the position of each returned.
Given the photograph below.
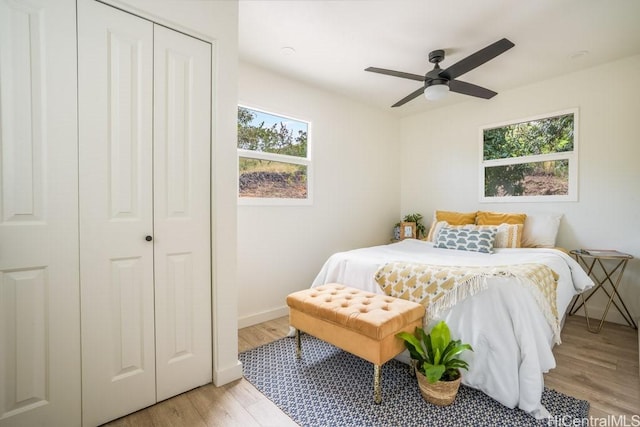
(511, 338)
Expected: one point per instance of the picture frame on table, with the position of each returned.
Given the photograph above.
(407, 230)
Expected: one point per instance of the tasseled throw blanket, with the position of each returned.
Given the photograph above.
(440, 287)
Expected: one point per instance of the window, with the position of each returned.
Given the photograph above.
(530, 160)
(274, 164)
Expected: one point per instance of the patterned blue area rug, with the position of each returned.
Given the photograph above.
(330, 387)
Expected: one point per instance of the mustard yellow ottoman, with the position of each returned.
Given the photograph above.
(360, 322)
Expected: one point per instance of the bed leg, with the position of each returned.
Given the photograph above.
(298, 344)
(377, 389)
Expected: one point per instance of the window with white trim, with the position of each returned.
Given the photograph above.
(530, 160)
(274, 162)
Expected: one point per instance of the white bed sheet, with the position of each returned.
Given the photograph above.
(511, 338)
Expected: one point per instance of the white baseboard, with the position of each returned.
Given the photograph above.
(225, 376)
(263, 316)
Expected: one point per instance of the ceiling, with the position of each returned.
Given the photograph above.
(335, 40)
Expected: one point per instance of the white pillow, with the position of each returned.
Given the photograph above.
(540, 230)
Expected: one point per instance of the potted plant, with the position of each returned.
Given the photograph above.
(417, 218)
(437, 362)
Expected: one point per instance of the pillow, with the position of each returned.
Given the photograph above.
(507, 236)
(435, 229)
(497, 218)
(541, 230)
(467, 239)
(453, 218)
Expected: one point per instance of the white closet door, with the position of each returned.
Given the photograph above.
(182, 117)
(116, 262)
(39, 298)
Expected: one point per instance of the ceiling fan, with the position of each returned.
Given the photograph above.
(438, 82)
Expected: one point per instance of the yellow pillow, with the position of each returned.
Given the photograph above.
(497, 218)
(453, 218)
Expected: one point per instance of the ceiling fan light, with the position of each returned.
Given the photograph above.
(436, 91)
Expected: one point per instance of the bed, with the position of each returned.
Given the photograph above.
(511, 336)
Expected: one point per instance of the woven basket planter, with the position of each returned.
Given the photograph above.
(441, 393)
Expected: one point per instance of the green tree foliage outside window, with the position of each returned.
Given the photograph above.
(277, 138)
(268, 165)
(541, 137)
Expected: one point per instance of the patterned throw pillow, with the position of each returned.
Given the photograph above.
(465, 239)
(507, 236)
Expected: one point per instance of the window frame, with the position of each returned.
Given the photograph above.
(282, 158)
(570, 156)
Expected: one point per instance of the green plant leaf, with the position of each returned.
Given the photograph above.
(455, 350)
(433, 372)
(440, 336)
(436, 354)
(426, 341)
(457, 364)
(452, 344)
(413, 345)
(429, 348)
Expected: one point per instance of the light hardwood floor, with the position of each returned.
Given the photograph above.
(601, 368)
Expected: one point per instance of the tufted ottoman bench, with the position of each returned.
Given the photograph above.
(360, 322)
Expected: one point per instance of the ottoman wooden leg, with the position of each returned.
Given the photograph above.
(377, 389)
(298, 344)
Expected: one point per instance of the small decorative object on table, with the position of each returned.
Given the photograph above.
(416, 218)
(437, 363)
(407, 230)
(589, 259)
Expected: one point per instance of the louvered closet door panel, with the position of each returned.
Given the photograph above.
(39, 297)
(116, 262)
(182, 88)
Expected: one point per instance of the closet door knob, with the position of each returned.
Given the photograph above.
(148, 238)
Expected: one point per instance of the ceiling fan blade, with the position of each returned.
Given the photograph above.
(395, 73)
(409, 97)
(476, 59)
(470, 89)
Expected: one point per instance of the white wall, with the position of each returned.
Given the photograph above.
(440, 161)
(216, 22)
(356, 200)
